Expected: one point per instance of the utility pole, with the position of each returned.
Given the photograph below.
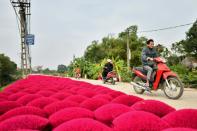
(22, 11)
(128, 51)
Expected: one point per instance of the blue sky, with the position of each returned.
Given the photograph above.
(63, 28)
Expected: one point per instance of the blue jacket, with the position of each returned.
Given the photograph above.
(148, 52)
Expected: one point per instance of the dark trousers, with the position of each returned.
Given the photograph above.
(104, 74)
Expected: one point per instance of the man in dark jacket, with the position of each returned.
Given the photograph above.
(148, 53)
(107, 68)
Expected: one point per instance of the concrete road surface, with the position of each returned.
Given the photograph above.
(188, 100)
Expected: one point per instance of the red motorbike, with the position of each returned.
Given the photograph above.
(77, 75)
(111, 78)
(162, 78)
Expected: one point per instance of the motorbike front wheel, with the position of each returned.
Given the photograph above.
(137, 89)
(173, 88)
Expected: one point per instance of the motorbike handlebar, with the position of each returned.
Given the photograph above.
(159, 59)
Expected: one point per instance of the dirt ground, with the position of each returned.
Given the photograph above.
(188, 100)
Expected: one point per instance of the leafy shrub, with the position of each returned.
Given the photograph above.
(125, 75)
(94, 70)
(187, 77)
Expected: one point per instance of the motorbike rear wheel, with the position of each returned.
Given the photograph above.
(137, 89)
(104, 81)
(174, 88)
(113, 81)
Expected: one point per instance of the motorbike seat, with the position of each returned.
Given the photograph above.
(141, 69)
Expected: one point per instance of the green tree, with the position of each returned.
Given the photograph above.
(135, 44)
(190, 44)
(94, 52)
(118, 67)
(7, 70)
(163, 51)
(81, 63)
(173, 60)
(111, 47)
(178, 48)
(61, 68)
(46, 71)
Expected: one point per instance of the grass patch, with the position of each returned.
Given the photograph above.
(1, 88)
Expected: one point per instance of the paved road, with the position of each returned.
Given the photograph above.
(188, 100)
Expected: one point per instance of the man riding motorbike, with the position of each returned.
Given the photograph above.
(148, 53)
(159, 75)
(107, 68)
